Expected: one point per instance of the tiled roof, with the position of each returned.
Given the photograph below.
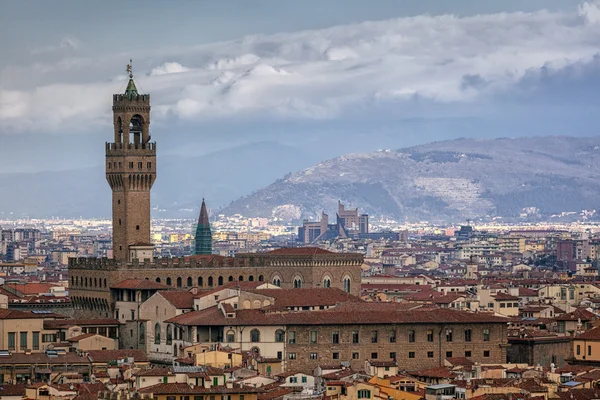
(139, 284)
(12, 390)
(184, 388)
(460, 361)
(274, 394)
(576, 315)
(181, 299)
(306, 297)
(43, 359)
(106, 356)
(592, 334)
(579, 394)
(503, 296)
(348, 313)
(81, 337)
(55, 324)
(32, 288)
(17, 314)
(154, 372)
(437, 372)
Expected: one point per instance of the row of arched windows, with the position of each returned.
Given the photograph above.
(297, 282)
(210, 281)
(88, 282)
(255, 336)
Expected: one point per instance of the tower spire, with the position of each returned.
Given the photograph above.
(203, 235)
(131, 90)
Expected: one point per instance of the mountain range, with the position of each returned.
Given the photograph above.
(449, 180)
(443, 181)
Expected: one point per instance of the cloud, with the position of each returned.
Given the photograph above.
(312, 75)
(67, 43)
(168, 68)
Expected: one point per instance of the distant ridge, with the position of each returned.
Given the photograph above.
(443, 181)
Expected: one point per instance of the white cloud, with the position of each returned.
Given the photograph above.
(310, 74)
(67, 43)
(168, 68)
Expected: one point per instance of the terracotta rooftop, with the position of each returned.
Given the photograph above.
(437, 372)
(12, 390)
(65, 323)
(106, 356)
(307, 297)
(17, 314)
(348, 313)
(592, 334)
(576, 315)
(184, 388)
(81, 337)
(32, 288)
(181, 299)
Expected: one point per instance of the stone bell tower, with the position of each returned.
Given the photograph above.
(130, 172)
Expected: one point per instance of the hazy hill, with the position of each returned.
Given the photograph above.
(182, 181)
(449, 180)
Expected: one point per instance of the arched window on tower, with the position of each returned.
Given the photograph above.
(169, 281)
(220, 281)
(179, 282)
(210, 281)
(347, 284)
(327, 282)
(251, 278)
(297, 283)
(261, 278)
(190, 282)
(230, 279)
(157, 280)
(277, 281)
(200, 281)
(135, 129)
(241, 278)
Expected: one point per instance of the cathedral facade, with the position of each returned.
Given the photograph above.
(131, 171)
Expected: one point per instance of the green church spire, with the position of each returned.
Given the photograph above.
(203, 238)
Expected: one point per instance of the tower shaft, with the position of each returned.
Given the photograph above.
(130, 171)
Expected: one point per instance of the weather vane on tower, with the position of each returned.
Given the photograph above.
(130, 69)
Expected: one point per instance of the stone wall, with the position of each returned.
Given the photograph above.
(542, 351)
(426, 354)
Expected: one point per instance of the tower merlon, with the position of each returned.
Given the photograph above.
(123, 149)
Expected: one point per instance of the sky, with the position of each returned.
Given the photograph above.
(322, 77)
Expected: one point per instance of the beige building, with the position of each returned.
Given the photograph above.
(92, 341)
(218, 359)
(24, 331)
(157, 338)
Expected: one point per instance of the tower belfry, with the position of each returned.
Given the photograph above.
(131, 171)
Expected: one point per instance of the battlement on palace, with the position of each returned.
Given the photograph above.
(250, 260)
